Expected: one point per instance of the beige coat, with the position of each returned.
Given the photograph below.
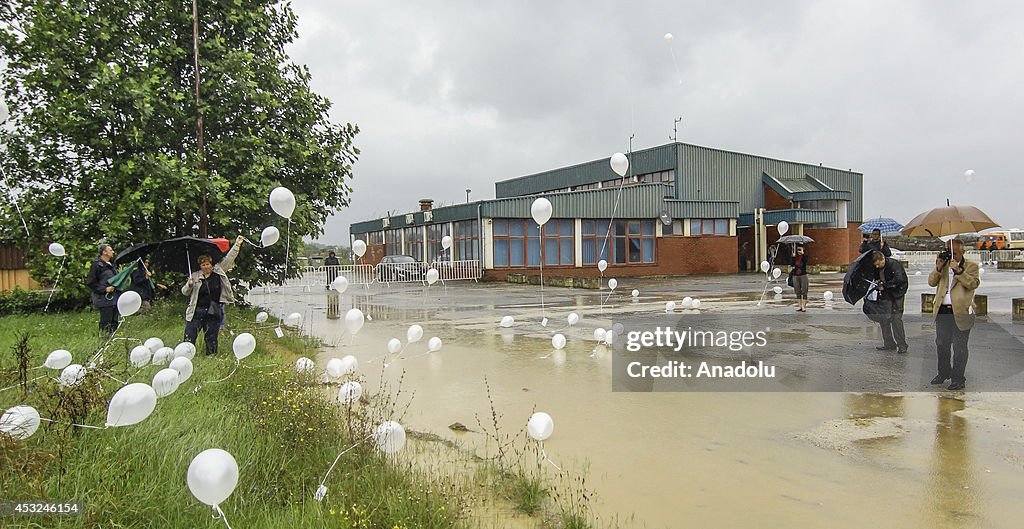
(964, 285)
(220, 269)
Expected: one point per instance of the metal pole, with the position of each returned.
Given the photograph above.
(204, 218)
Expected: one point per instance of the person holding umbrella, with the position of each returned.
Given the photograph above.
(874, 242)
(209, 289)
(798, 278)
(892, 283)
(955, 279)
(104, 295)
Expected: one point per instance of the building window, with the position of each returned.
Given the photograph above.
(393, 242)
(436, 232)
(466, 241)
(375, 237)
(630, 241)
(596, 245)
(516, 243)
(414, 242)
(559, 242)
(709, 227)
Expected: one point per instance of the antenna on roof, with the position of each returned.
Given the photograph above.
(675, 129)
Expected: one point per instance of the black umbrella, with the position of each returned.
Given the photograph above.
(173, 255)
(135, 251)
(859, 278)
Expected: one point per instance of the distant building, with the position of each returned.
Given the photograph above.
(681, 209)
(13, 271)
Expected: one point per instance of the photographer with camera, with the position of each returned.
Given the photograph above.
(892, 284)
(955, 279)
(874, 242)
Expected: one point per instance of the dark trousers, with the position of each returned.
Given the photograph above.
(893, 333)
(108, 319)
(949, 336)
(210, 326)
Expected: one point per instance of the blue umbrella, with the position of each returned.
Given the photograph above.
(883, 224)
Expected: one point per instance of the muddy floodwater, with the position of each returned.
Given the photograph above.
(928, 459)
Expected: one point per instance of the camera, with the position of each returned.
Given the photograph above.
(946, 255)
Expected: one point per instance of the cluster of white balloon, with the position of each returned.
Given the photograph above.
(687, 303)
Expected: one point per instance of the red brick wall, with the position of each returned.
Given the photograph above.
(833, 246)
(675, 256)
(774, 201)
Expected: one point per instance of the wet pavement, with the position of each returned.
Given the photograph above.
(671, 454)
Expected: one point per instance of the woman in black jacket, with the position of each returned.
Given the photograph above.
(104, 296)
(798, 277)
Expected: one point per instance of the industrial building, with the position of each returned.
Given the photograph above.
(681, 209)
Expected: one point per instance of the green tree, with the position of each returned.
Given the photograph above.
(102, 139)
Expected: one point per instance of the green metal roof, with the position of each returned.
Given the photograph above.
(806, 188)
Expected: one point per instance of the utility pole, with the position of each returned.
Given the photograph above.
(204, 217)
(467, 195)
(675, 129)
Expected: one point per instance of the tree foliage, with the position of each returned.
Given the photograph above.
(101, 143)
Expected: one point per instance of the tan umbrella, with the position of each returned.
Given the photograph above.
(948, 220)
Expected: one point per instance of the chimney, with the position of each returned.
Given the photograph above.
(426, 204)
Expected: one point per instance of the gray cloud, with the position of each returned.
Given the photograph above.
(453, 95)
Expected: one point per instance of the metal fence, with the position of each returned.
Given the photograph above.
(323, 275)
(417, 272)
(927, 259)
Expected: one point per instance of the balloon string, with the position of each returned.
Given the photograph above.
(107, 344)
(343, 452)
(546, 458)
(55, 283)
(27, 381)
(246, 239)
(220, 514)
(678, 73)
(73, 424)
(15, 202)
(287, 247)
(228, 375)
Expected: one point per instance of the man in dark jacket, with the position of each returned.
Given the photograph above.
(104, 296)
(332, 264)
(875, 243)
(893, 284)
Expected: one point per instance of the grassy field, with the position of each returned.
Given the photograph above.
(280, 428)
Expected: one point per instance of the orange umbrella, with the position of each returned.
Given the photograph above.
(948, 220)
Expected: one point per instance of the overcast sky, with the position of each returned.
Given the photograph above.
(451, 95)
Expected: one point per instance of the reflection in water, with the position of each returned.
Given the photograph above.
(951, 487)
(868, 405)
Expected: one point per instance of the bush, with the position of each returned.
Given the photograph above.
(21, 301)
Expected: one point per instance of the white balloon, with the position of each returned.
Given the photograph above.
(359, 248)
(354, 320)
(635, 293)
(72, 375)
(599, 334)
(434, 344)
(262, 317)
(687, 302)
(394, 345)
(783, 228)
(350, 392)
(541, 211)
(129, 302)
(670, 306)
(162, 356)
(829, 295)
(612, 283)
(340, 284)
(304, 365)
(573, 318)
(668, 38)
(776, 272)
(917, 273)
(432, 276)
(334, 366)
(294, 319)
(389, 437)
(131, 405)
(165, 382)
(184, 368)
(244, 345)
(609, 337)
(618, 328)
(282, 201)
(414, 333)
(558, 341)
(446, 242)
(212, 476)
(154, 344)
(969, 173)
(20, 422)
(140, 356)
(57, 249)
(349, 364)
(58, 359)
(4, 111)
(981, 271)
(507, 321)
(185, 349)
(696, 303)
(619, 163)
(602, 265)
(777, 289)
(765, 265)
(540, 426)
(269, 236)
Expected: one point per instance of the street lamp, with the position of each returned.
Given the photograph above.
(467, 195)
